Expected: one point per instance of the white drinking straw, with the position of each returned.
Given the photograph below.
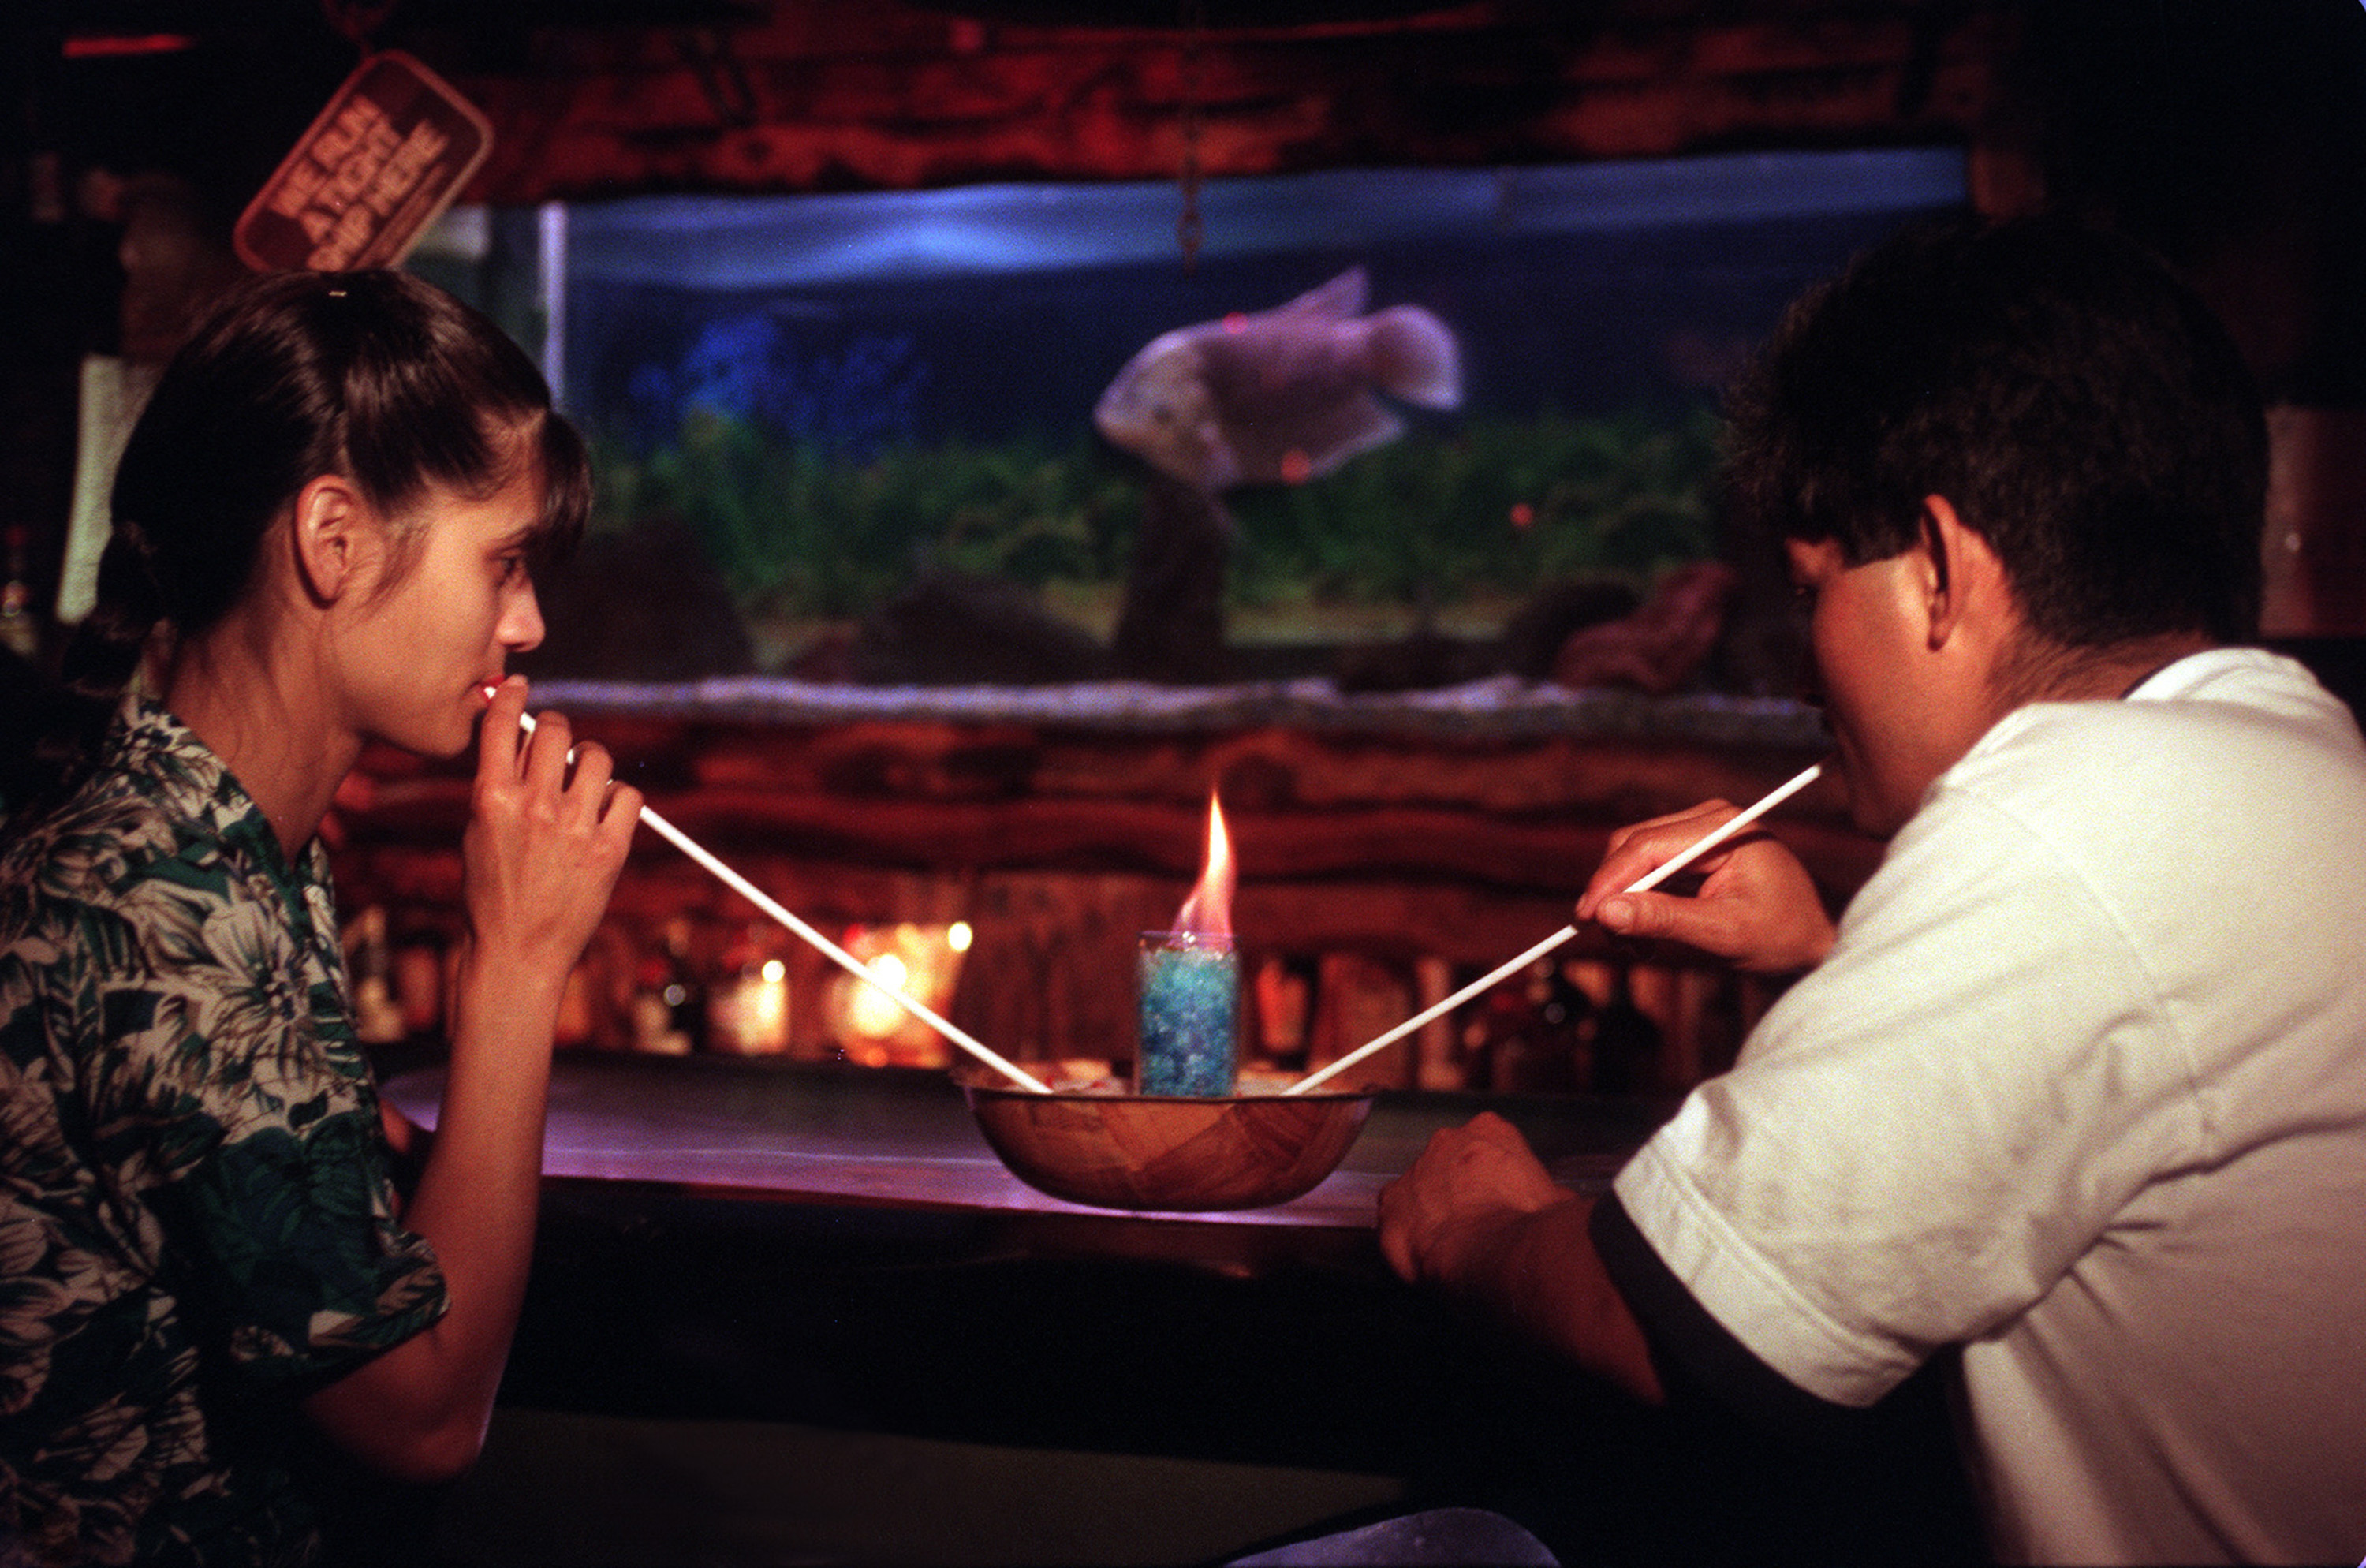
(845, 960)
(1643, 884)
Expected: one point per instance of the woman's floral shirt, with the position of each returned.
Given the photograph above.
(197, 1225)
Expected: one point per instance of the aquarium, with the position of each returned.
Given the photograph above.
(1403, 426)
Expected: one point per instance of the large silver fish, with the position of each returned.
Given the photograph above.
(1283, 395)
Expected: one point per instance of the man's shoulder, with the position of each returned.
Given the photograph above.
(2242, 759)
(110, 890)
(2255, 679)
(2227, 708)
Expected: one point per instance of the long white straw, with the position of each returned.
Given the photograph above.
(845, 960)
(1643, 884)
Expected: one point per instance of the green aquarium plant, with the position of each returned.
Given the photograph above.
(1487, 511)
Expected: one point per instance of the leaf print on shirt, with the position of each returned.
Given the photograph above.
(194, 1205)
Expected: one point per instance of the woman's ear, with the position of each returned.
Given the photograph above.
(327, 536)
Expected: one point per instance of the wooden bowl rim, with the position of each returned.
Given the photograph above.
(976, 1078)
(1104, 1096)
(1012, 1118)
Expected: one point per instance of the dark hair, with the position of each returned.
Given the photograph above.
(377, 376)
(2081, 408)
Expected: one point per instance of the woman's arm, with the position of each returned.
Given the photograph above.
(543, 850)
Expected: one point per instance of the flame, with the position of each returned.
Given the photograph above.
(1208, 910)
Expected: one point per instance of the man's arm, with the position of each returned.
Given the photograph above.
(1478, 1216)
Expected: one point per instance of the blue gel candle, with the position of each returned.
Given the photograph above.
(1190, 1010)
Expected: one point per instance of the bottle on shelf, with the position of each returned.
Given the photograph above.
(20, 629)
(748, 1014)
(369, 967)
(669, 1007)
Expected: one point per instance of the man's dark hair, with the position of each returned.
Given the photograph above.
(2079, 406)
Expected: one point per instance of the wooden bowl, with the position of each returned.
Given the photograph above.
(1160, 1152)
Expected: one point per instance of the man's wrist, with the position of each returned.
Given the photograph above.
(1487, 1262)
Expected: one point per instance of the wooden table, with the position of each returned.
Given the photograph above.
(795, 1133)
(840, 1248)
(881, 1154)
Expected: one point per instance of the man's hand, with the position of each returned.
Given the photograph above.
(1478, 1216)
(1441, 1217)
(1757, 907)
(545, 843)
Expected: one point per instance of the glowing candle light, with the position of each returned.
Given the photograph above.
(1190, 983)
(872, 1010)
(829, 949)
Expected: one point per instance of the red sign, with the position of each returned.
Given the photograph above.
(380, 164)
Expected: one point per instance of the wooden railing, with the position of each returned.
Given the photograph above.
(1388, 851)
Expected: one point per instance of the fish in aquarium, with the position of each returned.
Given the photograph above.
(1279, 396)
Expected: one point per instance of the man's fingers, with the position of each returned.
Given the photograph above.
(546, 753)
(1488, 1127)
(587, 783)
(1645, 915)
(623, 805)
(1638, 851)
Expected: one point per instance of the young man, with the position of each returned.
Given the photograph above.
(2079, 1083)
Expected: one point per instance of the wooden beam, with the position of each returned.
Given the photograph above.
(899, 96)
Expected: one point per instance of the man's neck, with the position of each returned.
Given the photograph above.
(2048, 672)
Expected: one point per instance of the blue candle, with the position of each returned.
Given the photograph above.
(1190, 1010)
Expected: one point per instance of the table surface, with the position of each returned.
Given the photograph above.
(757, 1239)
(760, 1241)
(801, 1132)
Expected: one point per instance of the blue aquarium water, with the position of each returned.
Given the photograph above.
(989, 311)
(853, 437)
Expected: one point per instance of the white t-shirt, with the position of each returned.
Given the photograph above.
(2082, 1087)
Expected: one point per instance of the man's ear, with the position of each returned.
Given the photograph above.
(328, 536)
(1961, 575)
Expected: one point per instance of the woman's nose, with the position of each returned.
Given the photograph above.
(521, 625)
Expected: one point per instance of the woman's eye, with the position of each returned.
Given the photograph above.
(513, 569)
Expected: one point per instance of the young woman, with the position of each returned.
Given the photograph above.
(323, 527)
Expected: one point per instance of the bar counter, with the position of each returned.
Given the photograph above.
(802, 1133)
(838, 1249)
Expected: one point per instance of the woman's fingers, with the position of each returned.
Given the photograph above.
(499, 735)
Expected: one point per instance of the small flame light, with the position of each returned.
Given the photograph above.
(868, 1026)
(1191, 986)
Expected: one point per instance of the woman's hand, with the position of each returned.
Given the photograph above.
(1756, 907)
(543, 850)
(545, 842)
